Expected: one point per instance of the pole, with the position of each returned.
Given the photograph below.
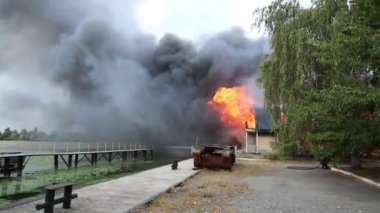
(257, 141)
(246, 141)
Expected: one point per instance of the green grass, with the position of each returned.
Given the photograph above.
(272, 155)
(4, 202)
(31, 184)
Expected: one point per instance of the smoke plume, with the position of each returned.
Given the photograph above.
(65, 66)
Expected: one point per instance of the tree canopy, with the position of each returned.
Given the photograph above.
(25, 135)
(323, 74)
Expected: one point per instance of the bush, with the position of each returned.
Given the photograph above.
(272, 155)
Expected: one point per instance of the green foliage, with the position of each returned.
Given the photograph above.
(323, 73)
(272, 155)
(34, 135)
(6, 134)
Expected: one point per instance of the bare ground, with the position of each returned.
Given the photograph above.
(370, 169)
(209, 191)
(265, 186)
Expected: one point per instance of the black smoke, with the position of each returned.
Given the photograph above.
(83, 76)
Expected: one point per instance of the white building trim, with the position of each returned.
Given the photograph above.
(256, 146)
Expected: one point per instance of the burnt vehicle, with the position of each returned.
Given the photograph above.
(214, 156)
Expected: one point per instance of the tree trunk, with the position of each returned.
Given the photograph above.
(355, 161)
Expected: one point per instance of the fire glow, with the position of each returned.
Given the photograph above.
(234, 107)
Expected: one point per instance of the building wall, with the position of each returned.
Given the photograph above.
(265, 141)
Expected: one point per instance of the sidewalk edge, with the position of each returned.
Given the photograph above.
(363, 179)
(141, 204)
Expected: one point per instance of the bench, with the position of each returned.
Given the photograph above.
(48, 206)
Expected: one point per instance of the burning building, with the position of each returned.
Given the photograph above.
(246, 127)
(260, 138)
(234, 107)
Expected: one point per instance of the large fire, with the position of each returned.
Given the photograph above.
(234, 107)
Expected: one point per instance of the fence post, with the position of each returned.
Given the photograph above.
(105, 146)
(54, 147)
(97, 147)
(119, 146)
(79, 147)
(88, 147)
(67, 147)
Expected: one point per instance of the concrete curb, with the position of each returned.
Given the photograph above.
(360, 178)
(139, 205)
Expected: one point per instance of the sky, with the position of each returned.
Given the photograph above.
(194, 19)
(35, 42)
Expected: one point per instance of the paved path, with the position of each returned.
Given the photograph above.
(278, 189)
(122, 194)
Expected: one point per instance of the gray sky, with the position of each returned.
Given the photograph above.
(191, 19)
(26, 62)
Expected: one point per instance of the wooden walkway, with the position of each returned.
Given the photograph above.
(123, 194)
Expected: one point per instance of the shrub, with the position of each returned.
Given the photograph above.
(272, 155)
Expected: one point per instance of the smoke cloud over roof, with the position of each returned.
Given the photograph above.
(65, 66)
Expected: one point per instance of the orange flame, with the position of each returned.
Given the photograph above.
(234, 107)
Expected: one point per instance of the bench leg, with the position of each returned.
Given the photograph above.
(7, 171)
(49, 201)
(67, 197)
(20, 161)
(56, 162)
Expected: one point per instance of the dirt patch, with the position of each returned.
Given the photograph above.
(209, 191)
(370, 168)
(372, 173)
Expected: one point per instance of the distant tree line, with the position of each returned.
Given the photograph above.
(23, 134)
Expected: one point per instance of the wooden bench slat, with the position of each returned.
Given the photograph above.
(57, 186)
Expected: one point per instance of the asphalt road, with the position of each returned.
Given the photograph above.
(278, 189)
